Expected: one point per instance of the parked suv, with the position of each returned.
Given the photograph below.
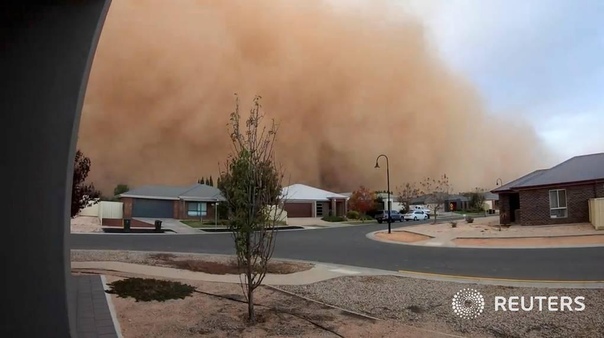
(382, 216)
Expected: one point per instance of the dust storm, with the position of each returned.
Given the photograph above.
(344, 85)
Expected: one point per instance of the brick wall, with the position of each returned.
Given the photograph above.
(177, 211)
(127, 207)
(535, 204)
(504, 204)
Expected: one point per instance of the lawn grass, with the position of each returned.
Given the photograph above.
(356, 221)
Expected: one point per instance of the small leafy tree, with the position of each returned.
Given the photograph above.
(362, 200)
(406, 194)
(211, 182)
(437, 191)
(82, 194)
(477, 200)
(251, 185)
(201, 181)
(120, 189)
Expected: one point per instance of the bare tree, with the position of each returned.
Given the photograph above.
(437, 192)
(406, 194)
(251, 185)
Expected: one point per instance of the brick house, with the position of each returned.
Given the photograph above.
(301, 200)
(558, 195)
(192, 202)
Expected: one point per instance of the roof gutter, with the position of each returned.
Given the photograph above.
(565, 184)
(150, 197)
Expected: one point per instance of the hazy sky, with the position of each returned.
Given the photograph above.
(542, 60)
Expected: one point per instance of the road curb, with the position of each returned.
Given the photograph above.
(520, 283)
(451, 244)
(112, 311)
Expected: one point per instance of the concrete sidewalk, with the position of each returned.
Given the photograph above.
(316, 274)
(486, 233)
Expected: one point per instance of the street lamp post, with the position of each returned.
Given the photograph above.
(377, 165)
(498, 183)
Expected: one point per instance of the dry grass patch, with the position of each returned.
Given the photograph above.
(224, 267)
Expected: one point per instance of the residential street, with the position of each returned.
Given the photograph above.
(350, 246)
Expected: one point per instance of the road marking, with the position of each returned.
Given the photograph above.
(498, 279)
(345, 271)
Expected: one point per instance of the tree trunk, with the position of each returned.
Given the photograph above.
(250, 290)
(250, 305)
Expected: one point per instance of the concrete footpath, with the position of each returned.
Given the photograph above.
(319, 272)
(486, 233)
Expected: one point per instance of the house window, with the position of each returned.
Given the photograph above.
(197, 209)
(557, 203)
(319, 208)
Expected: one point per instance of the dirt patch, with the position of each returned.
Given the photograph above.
(224, 267)
(531, 241)
(279, 315)
(402, 236)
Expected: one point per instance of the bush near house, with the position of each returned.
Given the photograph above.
(334, 219)
(352, 214)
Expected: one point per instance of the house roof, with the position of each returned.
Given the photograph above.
(458, 198)
(577, 169)
(509, 186)
(195, 192)
(202, 192)
(308, 193)
(489, 196)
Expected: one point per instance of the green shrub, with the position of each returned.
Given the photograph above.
(366, 218)
(333, 219)
(353, 215)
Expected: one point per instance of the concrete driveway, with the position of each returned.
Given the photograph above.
(171, 224)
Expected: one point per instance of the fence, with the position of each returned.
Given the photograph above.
(276, 211)
(596, 213)
(104, 209)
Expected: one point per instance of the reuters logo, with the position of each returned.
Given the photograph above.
(468, 303)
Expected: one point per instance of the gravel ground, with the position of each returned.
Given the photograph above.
(427, 304)
(207, 316)
(86, 224)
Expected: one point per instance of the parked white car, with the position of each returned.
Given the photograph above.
(416, 215)
(424, 209)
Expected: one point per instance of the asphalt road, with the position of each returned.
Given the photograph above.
(350, 246)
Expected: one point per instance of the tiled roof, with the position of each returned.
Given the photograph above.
(307, 193)
(577, 169)
(198, 192)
